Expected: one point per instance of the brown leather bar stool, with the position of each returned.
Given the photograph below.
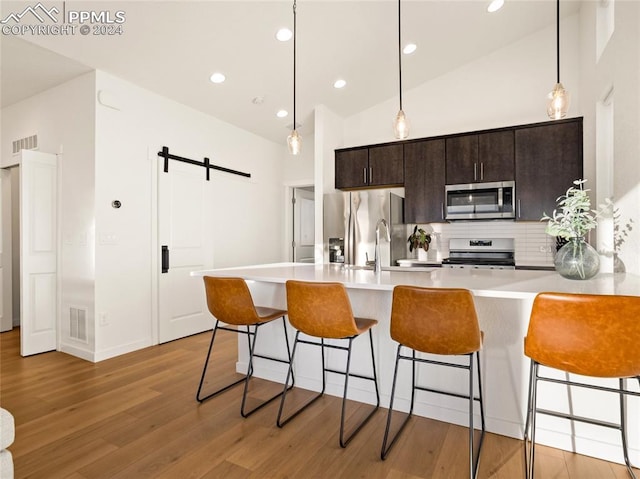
(229, 301)
(438, 321)
(323, 310)
(588, 335)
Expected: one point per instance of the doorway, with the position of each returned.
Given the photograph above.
(303, 226)
(28, 253)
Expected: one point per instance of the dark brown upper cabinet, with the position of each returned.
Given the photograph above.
(548, 159)
(375, 166)
(424, 173)
(481, 157)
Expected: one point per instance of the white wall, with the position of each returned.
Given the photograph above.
(111, 153)
(64, 120)
(247, 213)
(508, 87)
(624, 51)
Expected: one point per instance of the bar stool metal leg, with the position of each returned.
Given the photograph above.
(623, 428)
(279, 421)
(252, 354)
(206, 365)
(251, 341)
(385, 449)
(344, 441)
(474, 463)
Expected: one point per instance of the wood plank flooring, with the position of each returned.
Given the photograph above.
(135, 416)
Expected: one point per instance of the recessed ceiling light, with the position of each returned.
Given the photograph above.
(495, 5)
(409, 48)
(282, 113)
(218, 78)
(284, 34)
(339, 83)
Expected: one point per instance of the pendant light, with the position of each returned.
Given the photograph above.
(558, 98)
(294, 141)
(401, 124)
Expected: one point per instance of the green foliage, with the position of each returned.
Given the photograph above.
(419, 239)
(574, 217)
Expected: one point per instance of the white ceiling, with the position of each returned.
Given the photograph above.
(172, 47)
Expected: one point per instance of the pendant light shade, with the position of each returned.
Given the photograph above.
(294, 141)
(558, 98)
(401, 124)
(558, 102)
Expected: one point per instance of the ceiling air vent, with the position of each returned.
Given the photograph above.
(26, 143)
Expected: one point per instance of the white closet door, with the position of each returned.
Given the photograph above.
(38, 252)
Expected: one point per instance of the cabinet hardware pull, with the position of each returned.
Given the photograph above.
(475, 171)
(370, 175)
(518, 208)
(364, 175)
(482, 170)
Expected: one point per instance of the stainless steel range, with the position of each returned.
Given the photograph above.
(497, 253)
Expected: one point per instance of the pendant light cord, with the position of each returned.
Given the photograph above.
(399, 54)
(558, 40)
(294, 65)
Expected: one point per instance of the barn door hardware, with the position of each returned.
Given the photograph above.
(165, 259)
(206, 164)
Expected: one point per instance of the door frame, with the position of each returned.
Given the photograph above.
(289, 188)
(16, 161)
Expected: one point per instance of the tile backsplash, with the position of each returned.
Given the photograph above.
(533, 246)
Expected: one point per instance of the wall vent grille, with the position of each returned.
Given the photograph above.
(78, 323)
(26, 143)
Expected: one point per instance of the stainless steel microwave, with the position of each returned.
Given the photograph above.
(480, 201)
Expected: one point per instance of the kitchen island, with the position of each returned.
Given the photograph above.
(503, 301)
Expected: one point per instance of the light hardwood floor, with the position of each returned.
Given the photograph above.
(135, 416)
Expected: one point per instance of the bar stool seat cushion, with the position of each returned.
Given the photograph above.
(591, 335)
(269, 314)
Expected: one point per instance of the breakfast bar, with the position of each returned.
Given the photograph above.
(503, 300)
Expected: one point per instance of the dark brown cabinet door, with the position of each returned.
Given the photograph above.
(386, 165)
(548, 160)
(352, 168)
(424, 166)
(496, 156)
(462, 159)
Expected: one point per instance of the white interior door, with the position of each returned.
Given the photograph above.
(38, 252)
(303, 225)
(186, 232)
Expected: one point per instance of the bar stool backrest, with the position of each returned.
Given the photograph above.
(591, 335)
(435, 320)
(322, 310)
(229, 300)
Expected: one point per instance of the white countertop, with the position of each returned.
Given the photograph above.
(492, 283)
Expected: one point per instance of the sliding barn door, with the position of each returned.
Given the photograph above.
(186, 243)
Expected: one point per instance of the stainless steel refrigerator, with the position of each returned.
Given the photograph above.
(350, 220)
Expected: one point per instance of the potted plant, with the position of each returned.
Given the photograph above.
(571, 221)
(419, 240)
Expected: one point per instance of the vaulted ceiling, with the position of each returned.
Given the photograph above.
(172, 48)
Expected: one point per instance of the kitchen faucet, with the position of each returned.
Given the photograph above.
(377, 267)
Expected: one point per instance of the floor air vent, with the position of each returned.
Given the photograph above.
(26, 143)
(78, 323)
